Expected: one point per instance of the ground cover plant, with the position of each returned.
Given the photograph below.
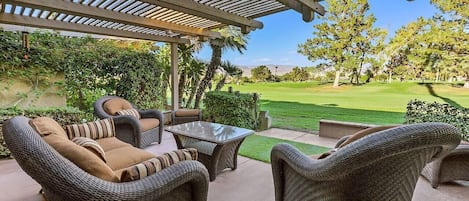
(258, 147)
(300, 106)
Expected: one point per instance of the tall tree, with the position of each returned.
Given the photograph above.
(345, 38)
(261, 74)
(231, 38)
(457, 23)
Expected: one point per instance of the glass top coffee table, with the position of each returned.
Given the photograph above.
(217, 144)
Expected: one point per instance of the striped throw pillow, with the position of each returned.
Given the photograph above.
(158, 163)
(91, 145)
(131, 112)
(95, 130)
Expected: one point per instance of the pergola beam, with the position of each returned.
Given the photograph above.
(112, 16)
(67, 26)
(305, 7)
(193, 8)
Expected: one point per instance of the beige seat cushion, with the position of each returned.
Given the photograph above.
(46, 126)
(112, 106)
(111, 143)
(81, 157)
(147, 124)
(187, 112)
(127, 156)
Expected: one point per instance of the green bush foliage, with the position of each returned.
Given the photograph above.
(234, 109)
(421, 111)
(92, 68)
(64, 116)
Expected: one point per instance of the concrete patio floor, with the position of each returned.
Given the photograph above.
(252, 181)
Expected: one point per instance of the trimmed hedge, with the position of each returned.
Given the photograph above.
(421, 111)
(236, 109)
(63, 116)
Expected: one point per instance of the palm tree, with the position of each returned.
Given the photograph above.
(231, 38)
(228, 69)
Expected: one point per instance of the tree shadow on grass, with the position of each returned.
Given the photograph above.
(305, 117)
(447, 100)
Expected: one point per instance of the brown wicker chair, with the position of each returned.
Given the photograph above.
(62, 180)
(454, 166)
(147, 136)
(381, 166)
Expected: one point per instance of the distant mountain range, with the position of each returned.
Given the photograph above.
(282, 69)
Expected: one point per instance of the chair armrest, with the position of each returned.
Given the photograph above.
(171, 181)
(128, 125)
(341, 140)
(152, 114)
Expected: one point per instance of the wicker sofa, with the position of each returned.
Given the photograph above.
(384, 165)
(63, 180)
(150, 123)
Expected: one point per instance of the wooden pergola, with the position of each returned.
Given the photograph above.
(172, 21)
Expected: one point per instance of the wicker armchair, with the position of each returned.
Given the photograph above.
(382, 166)
(454, 166)
(62, 180)
(147, 136)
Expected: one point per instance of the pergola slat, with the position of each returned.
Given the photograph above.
(52, 24)
(108, 15)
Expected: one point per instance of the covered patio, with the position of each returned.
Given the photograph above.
(252, 181)
(176, 22)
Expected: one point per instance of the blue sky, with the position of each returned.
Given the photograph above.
(277, 42)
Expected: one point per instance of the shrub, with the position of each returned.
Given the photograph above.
(234, 109)
(421, 111)
(63, 116)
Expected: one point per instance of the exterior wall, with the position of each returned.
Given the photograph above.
(8, 97)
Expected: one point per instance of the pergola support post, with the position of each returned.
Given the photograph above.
(174, 77)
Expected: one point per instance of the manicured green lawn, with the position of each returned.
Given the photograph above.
(258, 147)
(300, 106)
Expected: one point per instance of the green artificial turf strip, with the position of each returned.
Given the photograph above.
(258, 147)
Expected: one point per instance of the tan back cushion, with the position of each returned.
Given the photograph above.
(158, 163)
(187, 112)
(94, 130)
(46, 126)
(356, 136)
(81, 157)
(112, 106)
(352, 138)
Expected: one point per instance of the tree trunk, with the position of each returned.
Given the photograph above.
(211, 68)
(390, 76)
(221, 83)
(164, 88)
(337, 77)
(192, 94)
(437, 76)
(182, 84)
